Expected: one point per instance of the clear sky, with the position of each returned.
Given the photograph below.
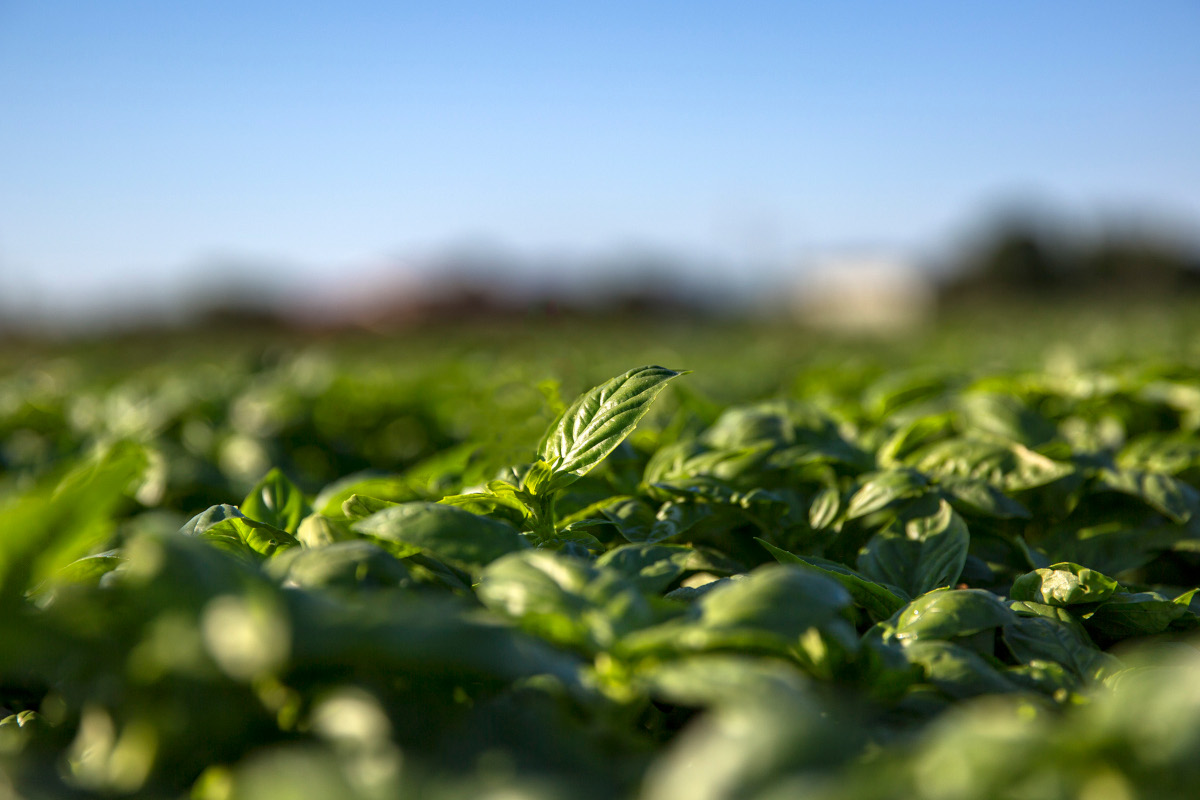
(141, 140)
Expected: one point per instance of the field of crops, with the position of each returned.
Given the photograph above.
(486, 563)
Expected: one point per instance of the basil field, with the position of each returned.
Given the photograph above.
(602, 562)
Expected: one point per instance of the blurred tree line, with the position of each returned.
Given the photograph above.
(1020, 258)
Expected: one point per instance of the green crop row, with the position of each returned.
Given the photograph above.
(308, 579)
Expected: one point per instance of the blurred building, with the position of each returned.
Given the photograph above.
(864, 294)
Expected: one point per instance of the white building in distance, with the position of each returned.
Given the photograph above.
(864, 294)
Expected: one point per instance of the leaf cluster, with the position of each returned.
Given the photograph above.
(944, 587)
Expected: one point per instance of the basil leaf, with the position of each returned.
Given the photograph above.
(599, 420)
(930, 554)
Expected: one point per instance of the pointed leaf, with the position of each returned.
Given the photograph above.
(824, 508)
(880, 489)
(276, 501)
(599, 420)
(1171, 496)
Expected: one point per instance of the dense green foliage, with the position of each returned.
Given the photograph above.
(850, 573)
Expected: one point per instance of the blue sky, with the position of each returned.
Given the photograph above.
(139, 141)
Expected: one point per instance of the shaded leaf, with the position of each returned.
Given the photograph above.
(824, 508)
(879, 601)
(958, 671)
(639, 522)
(446, 532)
(1170, 496)
(879, 490)
(980, 497)
(650, 567)
(1005, 415)
(929, 555)
(1127, 614)
(1053, 634)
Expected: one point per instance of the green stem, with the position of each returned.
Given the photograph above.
(544, 518)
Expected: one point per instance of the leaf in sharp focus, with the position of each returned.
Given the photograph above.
(879, 601)
(231, 530)
(537, 478)
(262, 538)
(208, 518)
(600, 419)
(1063, 584)
(276, 501)
(446, 532)
(929, 555)
(951, 614)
